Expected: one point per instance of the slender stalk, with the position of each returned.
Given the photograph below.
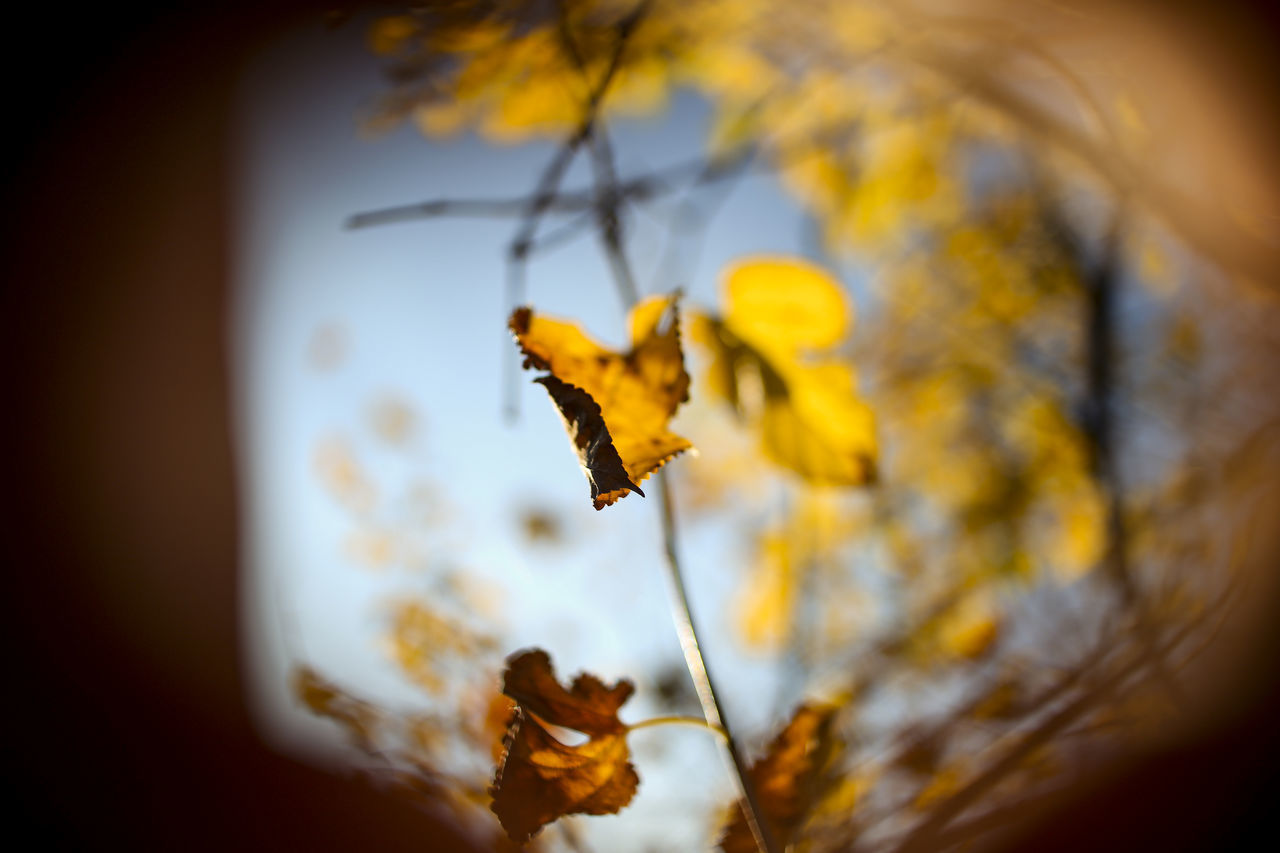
(676, 720)
(608, 217)
(611, 237)
(682, 616)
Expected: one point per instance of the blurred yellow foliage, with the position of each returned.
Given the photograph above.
(343, 476)
(424, 639)
(802, 553)
(986, 347)
(943, 784)
(771, 359)
(970, 628)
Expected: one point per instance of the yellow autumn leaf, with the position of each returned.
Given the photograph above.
(970, 628)
(781, 316)
(766, 603)
(616, 406)
(785, 304)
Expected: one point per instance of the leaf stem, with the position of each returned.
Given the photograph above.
(676, 719)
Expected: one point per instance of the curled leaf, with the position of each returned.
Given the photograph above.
(539, 779)
(615, 406)
(787, 779)
(591, 440)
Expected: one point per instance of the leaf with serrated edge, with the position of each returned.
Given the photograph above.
(785, 778)
(538, 778)
(615, 406)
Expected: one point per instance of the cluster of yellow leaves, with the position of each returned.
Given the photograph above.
(540, 779)
(425, 638)
(983, 432)
(516, 70)
(772, 359)
(615, 406)
(876, 192)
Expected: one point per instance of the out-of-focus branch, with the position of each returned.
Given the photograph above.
(1234, 249)
(545, 195)
(924, 836)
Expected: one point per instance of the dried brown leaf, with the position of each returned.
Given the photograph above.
(538, 778)
(787, 779)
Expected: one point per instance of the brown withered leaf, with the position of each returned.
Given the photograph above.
(786, 779)
(539, 779)
(615, 406)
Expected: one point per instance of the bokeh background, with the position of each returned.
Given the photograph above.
(177, 547)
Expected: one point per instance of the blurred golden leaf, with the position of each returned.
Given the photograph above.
(786, 779)
(615, 406)
(785, 305)
(325, 699)
(538, 778)
(970, 629)
(766, 602)
(780, 314)
(423, 639)
(942, 785)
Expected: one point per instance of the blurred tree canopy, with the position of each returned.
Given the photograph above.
(995, 499)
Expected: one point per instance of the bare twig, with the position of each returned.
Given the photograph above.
(498, 208)
(545, 195)
(682, 615)
(609, 216)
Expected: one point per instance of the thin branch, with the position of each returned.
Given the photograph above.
(545, 195)
(498, 208)
(659, 182)
(513, 289)
(609, 216)
(682, 616)
(1102, 297)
